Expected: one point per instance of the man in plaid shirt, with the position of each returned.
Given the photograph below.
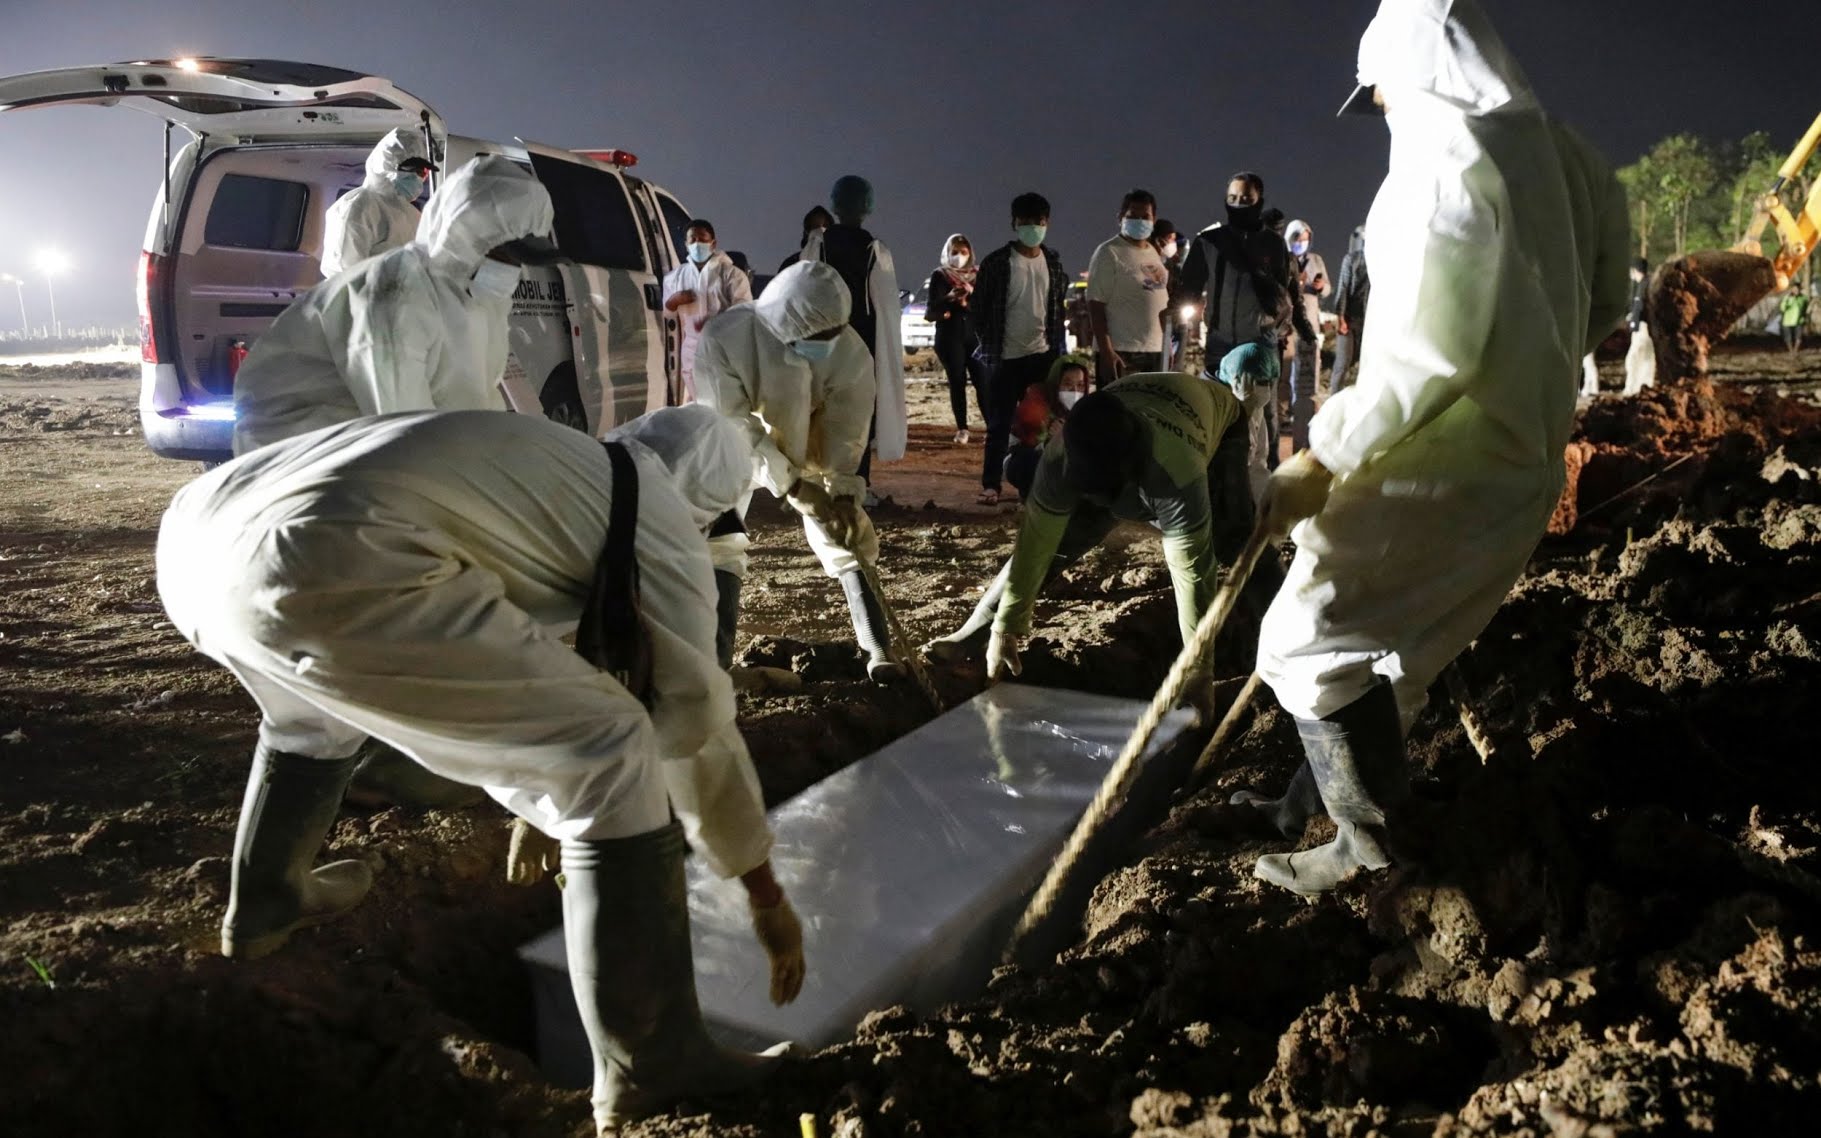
(1017, 313)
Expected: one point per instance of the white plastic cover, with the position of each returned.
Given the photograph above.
(908, 870)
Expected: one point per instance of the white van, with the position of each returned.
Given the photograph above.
(236, 233)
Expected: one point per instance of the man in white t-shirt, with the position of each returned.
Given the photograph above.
(1128, 289)
(1017, 313)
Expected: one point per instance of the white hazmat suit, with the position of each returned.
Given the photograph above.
(373, 578)
(890, 422)
(423, 327)
(1499, 258)
(807, 419)
(718, 284)
(375, 216)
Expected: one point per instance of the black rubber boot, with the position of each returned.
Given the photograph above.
(727, 615)
(1289, 814)
(1357, 757)
(969, 641)
(870, 628)
(291, 802)
(386, 776)
(626, 930)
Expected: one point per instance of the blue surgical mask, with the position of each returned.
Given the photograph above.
(1031, 236)
(700, 251)
(813, 349)
(408, 185)
(1137, 228)
(1299, 247)
(496, 279)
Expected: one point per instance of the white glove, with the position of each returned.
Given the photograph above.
(781, 936)
(1298, 489)
(836, 516)
(1002, 655)
(531, 854)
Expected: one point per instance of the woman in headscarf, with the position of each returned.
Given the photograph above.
(951, 286)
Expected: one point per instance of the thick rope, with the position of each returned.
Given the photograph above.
(902, 648)
(1477, 734)
(1126, 767)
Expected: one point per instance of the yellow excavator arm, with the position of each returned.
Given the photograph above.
(1798, 230)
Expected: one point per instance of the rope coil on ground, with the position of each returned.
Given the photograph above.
(1126, 767)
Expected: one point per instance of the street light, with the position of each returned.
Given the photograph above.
(25, 326)
(50, 263)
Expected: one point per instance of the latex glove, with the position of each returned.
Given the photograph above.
(813, 502)
(531, 854)
(1298, 489)
(781, 935)
(1002, 658)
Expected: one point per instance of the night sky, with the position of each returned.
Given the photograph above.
(749, 110)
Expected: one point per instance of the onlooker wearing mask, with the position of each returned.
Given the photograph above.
(815, 221)
(1641, 357)
(706, 282)
(1018, 318)
(1128, 289)
(1040, 414)
(950, 288)
(1241, 275)
(865, 265)
(379, 214)
(1167, 240)
(1305, 369)
(1351, 294)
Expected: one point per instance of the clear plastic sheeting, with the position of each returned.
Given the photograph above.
(908, 870)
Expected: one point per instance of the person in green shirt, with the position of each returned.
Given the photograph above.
(1795, 318)
(1166, 448)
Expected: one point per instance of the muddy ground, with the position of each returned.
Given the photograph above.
(1608, 930)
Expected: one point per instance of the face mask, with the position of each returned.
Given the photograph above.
(1069, 398)
(495, 278)
(408, 185)
(1031, 236)
(1137, 228)
(957, 260)
(1245, 216)
(1168, 250)
(813, 349)
(699, 252)
(1299, 247)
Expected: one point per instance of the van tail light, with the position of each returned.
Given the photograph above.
(151, 266)
(237, 355)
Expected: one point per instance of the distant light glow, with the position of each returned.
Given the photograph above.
(52, 262)
(188, 64)
(213, 412)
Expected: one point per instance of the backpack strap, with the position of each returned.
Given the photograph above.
(612, 634)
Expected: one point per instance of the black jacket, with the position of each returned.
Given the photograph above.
(1354, 288)
(1247, 284)
(949, 315)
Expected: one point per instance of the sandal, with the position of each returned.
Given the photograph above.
(987, 498)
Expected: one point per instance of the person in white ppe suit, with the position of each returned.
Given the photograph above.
(380, 213)
(372, 578)
(1499, 245)
(423, 327)
(799, 381)
(705, 284)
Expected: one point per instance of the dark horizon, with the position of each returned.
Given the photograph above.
(950, 109)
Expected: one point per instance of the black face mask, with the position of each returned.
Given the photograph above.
(1245, 216)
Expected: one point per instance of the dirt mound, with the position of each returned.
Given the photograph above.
(1695, 301)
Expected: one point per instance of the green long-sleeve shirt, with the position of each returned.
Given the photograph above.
(1184, 418)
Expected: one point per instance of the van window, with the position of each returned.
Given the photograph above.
(676, 220)
(594, 220)
(257, 213)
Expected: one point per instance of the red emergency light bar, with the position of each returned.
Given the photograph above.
(620, 158)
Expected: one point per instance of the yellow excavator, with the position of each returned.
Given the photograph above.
(1695, 300)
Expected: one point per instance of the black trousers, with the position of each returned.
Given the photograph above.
(1135, 363)
(964, 370)
(1003, 391)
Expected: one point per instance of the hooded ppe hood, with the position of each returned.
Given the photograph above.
(707, 453)
(1298, 231)
(1444, 50)
(484, 204)
(807, 298)
(402, 144)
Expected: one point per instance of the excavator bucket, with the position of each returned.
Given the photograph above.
(1694, 302)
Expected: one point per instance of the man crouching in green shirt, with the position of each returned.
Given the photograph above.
(1165, 448)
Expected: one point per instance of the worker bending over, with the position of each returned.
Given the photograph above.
(1499, 254)
(798, 380)
(373, 578)
(1165, 448)
(420, 328)
(379, 214)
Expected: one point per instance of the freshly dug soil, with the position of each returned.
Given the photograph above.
(1611, 931)
(1695, 300)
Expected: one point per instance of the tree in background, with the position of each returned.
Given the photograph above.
(1687, 193)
